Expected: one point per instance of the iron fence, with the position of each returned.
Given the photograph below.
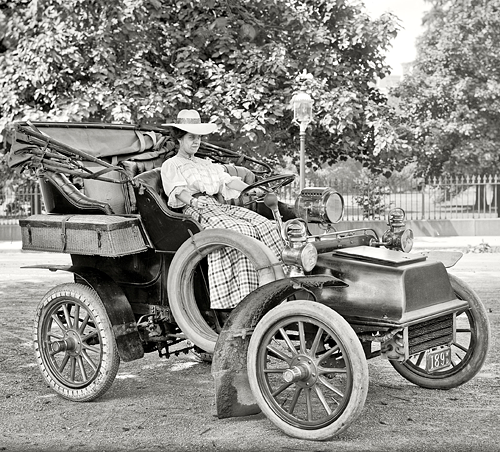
(433, 199)
(20, 201)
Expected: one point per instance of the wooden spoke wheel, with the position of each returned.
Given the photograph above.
(74, 343)
(307, 370)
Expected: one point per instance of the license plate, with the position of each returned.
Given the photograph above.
(438, 359)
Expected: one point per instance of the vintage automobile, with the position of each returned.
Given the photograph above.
(296, 348)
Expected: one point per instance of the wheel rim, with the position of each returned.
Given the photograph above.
(462, 349)
(304, 372)
(71, 344)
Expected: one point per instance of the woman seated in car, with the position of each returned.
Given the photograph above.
(193, 183)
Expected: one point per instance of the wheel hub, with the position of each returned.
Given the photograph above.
(71, 343)
(303, 371)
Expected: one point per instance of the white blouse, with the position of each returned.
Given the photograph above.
(195, 175)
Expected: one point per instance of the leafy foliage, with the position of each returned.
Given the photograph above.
(483, 247)
(450, 102)
(238, 62)
(373, 191)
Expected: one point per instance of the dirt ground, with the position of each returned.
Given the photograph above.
(157, 404)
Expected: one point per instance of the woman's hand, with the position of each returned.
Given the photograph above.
(257, 192)
(200, 202)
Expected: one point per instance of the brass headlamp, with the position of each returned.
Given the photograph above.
(319, 205)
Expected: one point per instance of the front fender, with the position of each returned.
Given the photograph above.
(448, 258)
(229, 368)
(117, 306)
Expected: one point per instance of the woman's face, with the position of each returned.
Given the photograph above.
(189, 144)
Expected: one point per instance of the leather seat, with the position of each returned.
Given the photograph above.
(245, 174)
(167, 228)
(151, 179)
(61, 196)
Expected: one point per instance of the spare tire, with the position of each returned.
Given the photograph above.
(180, 287)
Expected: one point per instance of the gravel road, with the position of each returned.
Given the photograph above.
(168, 405)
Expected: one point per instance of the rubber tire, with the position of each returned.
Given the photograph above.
(181, 273)
(473, 359)
(353, 351)
(108, 361)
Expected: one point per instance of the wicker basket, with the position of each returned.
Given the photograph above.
(98, 235)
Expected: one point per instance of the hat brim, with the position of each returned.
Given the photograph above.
(197, 129)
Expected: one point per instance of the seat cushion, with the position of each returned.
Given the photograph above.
(151, 178)
(61, 196)
(245, 174)
(136, 167)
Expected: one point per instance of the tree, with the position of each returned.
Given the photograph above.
(239, 62)
(450, 102)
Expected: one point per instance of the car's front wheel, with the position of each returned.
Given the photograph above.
(307, 370)
(74, 343)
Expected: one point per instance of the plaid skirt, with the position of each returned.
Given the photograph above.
(231, 275)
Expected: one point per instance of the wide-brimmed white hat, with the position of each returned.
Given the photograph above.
(190, 121)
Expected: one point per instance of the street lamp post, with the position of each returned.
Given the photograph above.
(302, 115)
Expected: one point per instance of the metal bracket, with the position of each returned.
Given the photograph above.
(244, 333)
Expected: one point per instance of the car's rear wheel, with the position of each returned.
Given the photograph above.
(74, 343)
(468, 350)
(307, 370)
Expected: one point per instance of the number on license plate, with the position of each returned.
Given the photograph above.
(438, 359)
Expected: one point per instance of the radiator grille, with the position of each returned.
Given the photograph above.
(429, 334)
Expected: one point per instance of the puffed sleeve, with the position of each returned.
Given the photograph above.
(173, 182)
(225, 178)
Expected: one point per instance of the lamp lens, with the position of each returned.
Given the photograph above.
(407, 241)
(334, 207)
(309, 257)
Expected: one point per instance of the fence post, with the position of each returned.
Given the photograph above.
(38, 200)
(422, 191)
